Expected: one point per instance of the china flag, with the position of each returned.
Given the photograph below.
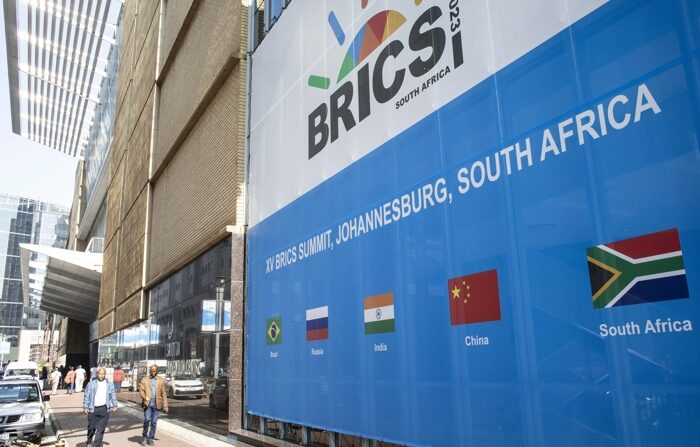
(474, 298)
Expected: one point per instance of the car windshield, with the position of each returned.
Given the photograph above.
(184, 376)
(21, 372)
(19, 393)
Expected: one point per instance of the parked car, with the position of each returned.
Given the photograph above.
(23, 370)
(184, 384)
(21, 411)
(218, 396)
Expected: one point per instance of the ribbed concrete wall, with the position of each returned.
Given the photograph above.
(195, 197)
(210, 39)
(198, 156)
(176, 12)
(121, 295)
(188, 134)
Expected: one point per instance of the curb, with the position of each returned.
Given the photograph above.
(52, 430)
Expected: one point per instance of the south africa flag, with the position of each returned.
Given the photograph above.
(639, 270)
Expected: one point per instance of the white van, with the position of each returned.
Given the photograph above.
(23, 370)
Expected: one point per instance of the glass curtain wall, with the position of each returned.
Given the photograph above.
(24, 220)
(16, 221)
(187, 336)
(100, 134)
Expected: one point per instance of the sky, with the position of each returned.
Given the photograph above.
(29, 169)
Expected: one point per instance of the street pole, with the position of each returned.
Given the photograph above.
(52, 319)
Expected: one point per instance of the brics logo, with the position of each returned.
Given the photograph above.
(352, 100)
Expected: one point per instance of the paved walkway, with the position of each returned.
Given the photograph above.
(124, 429)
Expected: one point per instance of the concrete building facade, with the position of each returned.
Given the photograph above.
(175, 200)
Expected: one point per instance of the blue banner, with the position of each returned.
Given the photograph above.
(520, 267)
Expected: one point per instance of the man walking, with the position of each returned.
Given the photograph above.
(153, 400)
(55, 380)
(79, 378)
(70, 380)
(99, 400)
(62, 369)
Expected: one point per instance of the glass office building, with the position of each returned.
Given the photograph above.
(30, 221)
(99, 138)
(187, 335)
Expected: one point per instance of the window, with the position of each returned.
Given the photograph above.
(267, 12)
(19, 393)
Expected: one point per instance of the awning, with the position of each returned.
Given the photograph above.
(64, 282)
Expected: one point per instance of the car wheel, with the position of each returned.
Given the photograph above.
(170, 393)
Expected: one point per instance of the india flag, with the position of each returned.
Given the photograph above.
(379, 313)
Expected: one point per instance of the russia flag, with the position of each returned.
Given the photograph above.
(317, 323)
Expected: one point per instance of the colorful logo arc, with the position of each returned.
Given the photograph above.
(371, 35)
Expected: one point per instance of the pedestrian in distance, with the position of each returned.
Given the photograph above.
(79, 378)
(55, 380)
(44, 377)
(118, 378)
(154, 399)
(99, 400)
(63, 371)
(70, 380)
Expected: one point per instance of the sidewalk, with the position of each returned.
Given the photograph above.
(124, 428)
